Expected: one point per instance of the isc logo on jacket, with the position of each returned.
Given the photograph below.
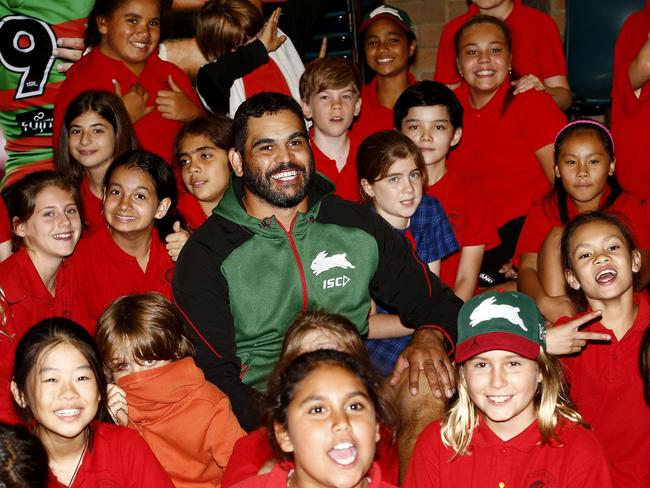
(323, 262)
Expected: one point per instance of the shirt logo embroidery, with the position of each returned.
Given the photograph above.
(322, 262)
(487, 310)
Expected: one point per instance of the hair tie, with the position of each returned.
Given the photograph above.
(587, 121)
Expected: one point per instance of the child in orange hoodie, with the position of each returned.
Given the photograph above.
(161, 393)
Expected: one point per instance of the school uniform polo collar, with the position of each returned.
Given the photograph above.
(35, 286)
(638, 327)
(370, 97)
(525, 441)
(119, 69)
(494, 106)
(116, 253)
(573, 209)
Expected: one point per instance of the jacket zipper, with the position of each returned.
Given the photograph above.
(296, 257)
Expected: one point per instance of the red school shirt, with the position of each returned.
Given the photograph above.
(469, 216)
(5, 223)
(279, 478)
(93, 208)
(267, 77)
(253, 450)
(191, 209)
(536, 44)
(374, 116)
(95, 72)
(25, 301)
(631, 115)
(607, 387)
(497, 152)
(105, 272)
(346, 182)
(520, 462)
(118, 457)
(542, 218)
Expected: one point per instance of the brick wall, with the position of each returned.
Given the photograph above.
(430, 16)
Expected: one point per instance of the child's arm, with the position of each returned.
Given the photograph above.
(639, 70)
(174, 104)
(468, 269)
(556, 86)
(545, 156)
(118, 407)
(552, 308)
(176, 240)
(385, 325)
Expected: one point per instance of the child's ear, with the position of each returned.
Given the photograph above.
(367, 187)
(458, 133)
(412, 48)
(637, 261)
(102, 25)
(377, 434)
(571, 279)
(235, 161)
(163, 207)
(18, 396)
(282, 436)
(357, 107)
(19, 227)
(556, 170)
(612, 167)
(305, 109)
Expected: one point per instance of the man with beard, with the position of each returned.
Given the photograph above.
(279, 243)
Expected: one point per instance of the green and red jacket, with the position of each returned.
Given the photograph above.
(241, 281)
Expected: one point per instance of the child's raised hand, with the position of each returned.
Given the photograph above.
(174, 104)
(176, 240)
(135, 101)
(323, 48)
(426, 354)
(567, 339)
(528, 82)
(269, 33)
(117, 406)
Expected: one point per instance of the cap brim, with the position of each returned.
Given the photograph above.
(501, 341)
(368, 22)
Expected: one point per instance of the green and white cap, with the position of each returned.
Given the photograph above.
(508, 321)
(397, 15)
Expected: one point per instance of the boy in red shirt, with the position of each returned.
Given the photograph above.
(431, 116)
(537, 56)
(329, 91)
(389, 46)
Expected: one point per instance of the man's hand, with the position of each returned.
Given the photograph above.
(426, 353)
(135, 101)
(174, 104)
(69, 49)
(567, 339)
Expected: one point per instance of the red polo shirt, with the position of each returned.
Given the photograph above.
(469, 216)
(541, 220)
(25, 302)
(95, 72)
(105, 272)
(346, 181)
(118, 457)
(267, 77)
(497, 152)
(93, 208)
(5, 223)
(631, 115)
(520, 462)
(374, 116)
(190, 208)
(536, 45)
(607, 387)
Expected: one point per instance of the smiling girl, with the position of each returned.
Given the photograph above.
(36, 281)
(324, 418)
(601, 261)
(58, 386)
(124, 37)
(95, 131)
(128, 255)
(512, 424)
